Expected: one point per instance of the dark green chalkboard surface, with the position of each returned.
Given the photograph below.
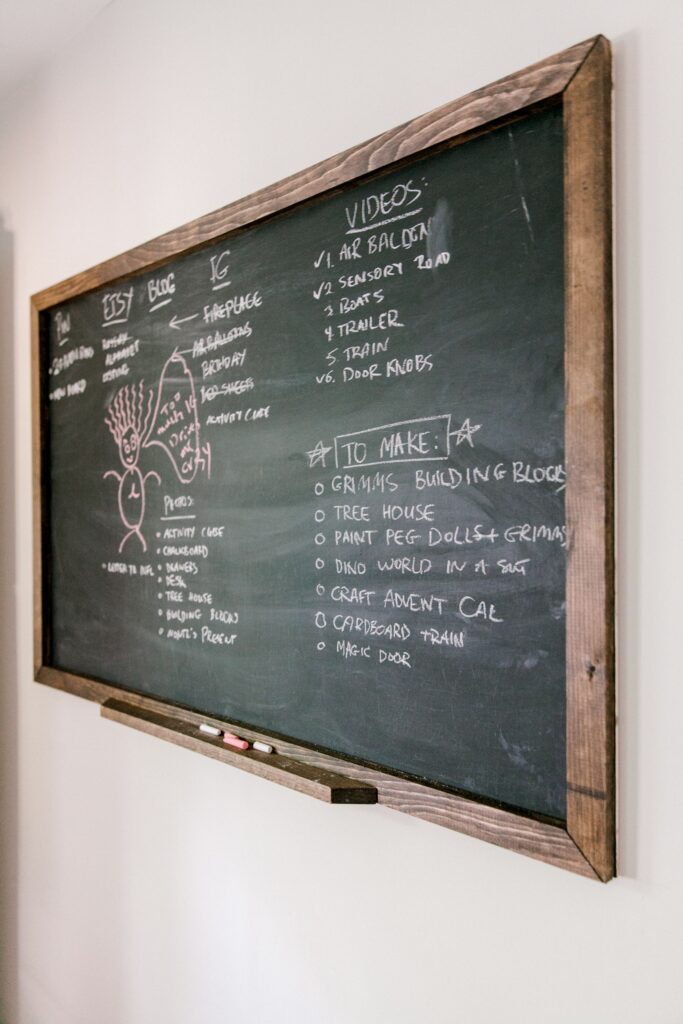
(331, 468)
(311, 477)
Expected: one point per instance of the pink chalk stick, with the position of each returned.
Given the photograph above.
(235, 741)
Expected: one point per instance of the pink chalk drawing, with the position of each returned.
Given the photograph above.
(175, 422)
(138, 421)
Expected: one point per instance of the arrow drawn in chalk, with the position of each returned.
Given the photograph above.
(176, 321)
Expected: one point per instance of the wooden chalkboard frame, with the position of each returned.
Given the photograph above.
(579, 78)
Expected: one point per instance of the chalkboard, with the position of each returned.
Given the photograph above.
(310, 477)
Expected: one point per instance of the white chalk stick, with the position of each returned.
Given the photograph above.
(265, 748)
(211, 730)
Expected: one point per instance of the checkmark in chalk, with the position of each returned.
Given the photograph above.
(317, 292)
(321, 257)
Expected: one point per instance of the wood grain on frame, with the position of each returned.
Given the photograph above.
(589, 442)
(581, 78)
(38, 489)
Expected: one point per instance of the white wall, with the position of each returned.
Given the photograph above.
(144, 884)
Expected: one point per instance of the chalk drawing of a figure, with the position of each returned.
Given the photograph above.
(137, 422)
(127, 417)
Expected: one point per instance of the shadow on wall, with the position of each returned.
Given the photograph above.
(630, 370)
(8, 652)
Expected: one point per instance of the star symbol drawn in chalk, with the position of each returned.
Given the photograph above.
(317, 455)
(465, 432)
